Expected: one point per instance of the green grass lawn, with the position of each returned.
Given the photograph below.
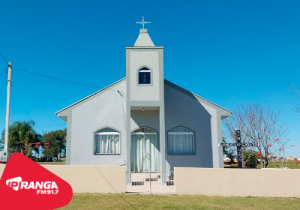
(277, 164)
(155, 202)
(291, 164)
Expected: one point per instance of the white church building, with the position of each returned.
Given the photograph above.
(143, 121)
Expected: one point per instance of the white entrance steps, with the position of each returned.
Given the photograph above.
(140, 182)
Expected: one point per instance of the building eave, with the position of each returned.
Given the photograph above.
(57, 113)
(225, 113)
(144, 47)
(222, 108)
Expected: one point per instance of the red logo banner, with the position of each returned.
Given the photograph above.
(27, 185)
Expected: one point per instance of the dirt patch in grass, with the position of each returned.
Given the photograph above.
(154, 202)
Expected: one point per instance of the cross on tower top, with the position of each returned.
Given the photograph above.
(143, 22)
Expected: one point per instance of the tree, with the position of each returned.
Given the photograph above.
(22, 138)
(258, 124)
(1, 144)
(55, 143)
(228, 151)
(225, 149)
(251, 159)
(296, 90)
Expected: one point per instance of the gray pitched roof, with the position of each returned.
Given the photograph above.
(166, 82)
(91, 95)
(193, 95)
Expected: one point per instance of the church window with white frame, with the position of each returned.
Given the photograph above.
(181, 141)
(107, 141)
(144, 76)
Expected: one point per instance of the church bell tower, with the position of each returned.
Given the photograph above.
(145, 87)
(144, 70)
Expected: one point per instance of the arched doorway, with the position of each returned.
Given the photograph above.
(144, 150)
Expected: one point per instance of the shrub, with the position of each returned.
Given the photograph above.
(251, 159)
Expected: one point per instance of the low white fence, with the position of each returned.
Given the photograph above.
(189, 181)
(91, 179)
(238, 182)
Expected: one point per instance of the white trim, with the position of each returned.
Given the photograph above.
(145, 71)
(181, 133)
(91, 95)
(209, 102)
(144, 133)
(107, 154)
(107, 133)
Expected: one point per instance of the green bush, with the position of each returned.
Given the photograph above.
(251, 159)
(41, 159)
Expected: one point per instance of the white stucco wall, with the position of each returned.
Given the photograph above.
(238, 182)
(181, 109)
(148, 118)
(102, 110)
(89, 179)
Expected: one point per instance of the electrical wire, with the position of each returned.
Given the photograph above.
(53, 78)
(4, 59)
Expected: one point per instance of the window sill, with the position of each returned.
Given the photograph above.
(107, 153)
(181, 153)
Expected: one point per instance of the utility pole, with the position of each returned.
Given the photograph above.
(7, 107)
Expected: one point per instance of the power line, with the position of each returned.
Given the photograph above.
(4, 59)
(53, 78)
(62, 80)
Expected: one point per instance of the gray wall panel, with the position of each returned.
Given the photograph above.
(185, 110)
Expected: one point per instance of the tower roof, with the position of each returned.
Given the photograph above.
(144, 39)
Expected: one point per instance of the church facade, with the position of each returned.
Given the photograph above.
(143, 121)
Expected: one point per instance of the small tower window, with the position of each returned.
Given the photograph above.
(144, 76)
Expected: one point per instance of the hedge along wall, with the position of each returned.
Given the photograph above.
(91, 179)
(237, 182)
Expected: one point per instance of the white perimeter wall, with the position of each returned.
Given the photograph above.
(237, 182)
(91, 179)
(188, 181)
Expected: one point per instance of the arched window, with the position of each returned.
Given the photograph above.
(181, 141)
(107, 141)
(144, 130)
(144, 76)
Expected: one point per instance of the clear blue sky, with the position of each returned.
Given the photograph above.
(225, 51)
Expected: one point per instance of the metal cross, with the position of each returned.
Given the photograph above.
(239, 146)
(143, 22)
